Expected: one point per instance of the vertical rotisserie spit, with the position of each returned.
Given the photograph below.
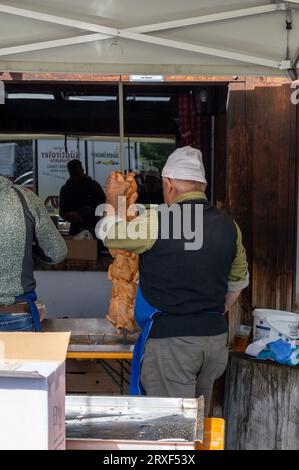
(123, 272)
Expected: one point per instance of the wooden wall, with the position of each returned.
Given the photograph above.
(262, 149)
(261, 194)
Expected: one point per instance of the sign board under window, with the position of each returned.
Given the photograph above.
(146, 78)
(104, 158)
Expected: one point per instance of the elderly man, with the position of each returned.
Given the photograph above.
(23, 221)
(184, 289)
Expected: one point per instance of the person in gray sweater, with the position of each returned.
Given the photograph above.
(26, 230)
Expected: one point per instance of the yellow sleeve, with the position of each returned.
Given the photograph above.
(239, 276)
(137, 236)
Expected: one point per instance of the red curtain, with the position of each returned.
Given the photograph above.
(189, 122)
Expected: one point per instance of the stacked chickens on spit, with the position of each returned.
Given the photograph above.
(123, 272)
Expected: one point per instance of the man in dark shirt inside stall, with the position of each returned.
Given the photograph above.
(79, 198)
(151, 191)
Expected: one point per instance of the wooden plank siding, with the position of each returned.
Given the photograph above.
(274, 199)
(261, 182)
(261, 195)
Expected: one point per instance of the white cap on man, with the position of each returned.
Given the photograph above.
(185, 163)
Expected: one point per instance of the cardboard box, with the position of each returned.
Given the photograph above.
(32, 390)
(86, 250)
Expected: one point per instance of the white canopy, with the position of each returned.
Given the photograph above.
(210, 37)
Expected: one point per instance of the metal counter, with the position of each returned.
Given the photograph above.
(92, 335)
(133, 422)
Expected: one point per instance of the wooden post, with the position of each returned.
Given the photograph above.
(121, 125)
(239, 185)
(261, 407)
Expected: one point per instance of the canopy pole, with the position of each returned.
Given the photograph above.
(121, 125)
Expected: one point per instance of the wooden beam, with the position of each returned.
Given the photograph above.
(239, 186)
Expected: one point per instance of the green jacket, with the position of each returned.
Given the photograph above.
(24, 218)
(116, 237)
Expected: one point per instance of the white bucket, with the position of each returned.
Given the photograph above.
(275, 324)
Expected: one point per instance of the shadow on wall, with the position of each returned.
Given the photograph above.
(74, 293)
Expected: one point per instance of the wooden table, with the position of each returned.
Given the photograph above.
(95, 339)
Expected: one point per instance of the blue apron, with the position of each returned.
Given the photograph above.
(30, 299)
(144, 316)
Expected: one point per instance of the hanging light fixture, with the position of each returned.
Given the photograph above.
(116, 48)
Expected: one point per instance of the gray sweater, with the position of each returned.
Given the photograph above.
(24, 219)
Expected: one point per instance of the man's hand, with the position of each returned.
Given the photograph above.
(231, 298)
(116, 186)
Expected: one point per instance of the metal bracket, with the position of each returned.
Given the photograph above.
(281, 6)
(286, 65)
(293, 3)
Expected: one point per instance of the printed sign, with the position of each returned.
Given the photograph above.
(7, 159)
(52, 168)
(104, 158)
(146, 78)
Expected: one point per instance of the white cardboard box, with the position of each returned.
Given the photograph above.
(32, 390)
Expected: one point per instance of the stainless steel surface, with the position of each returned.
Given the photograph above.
(134, 419)
(124, 333)
(80, 326)
(92, 334)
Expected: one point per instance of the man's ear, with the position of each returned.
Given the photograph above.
(168, 185)
(204, 187)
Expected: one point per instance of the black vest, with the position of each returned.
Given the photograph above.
(182, 282)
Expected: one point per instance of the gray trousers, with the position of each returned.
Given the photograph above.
(184, 367)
